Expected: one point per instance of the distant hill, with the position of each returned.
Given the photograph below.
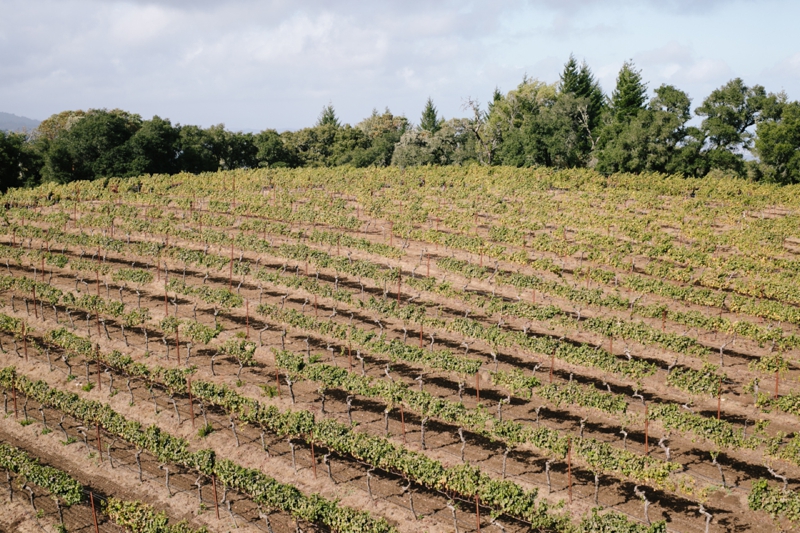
(9, 122)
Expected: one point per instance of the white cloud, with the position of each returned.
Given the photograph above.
(255, 64)
(707, 70)
(678, 64)
(789, 67)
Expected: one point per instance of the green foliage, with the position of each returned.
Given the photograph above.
(240, 349)
(59, 484)
(776, 502)
(263, 489)
(569, 124)
(778, 145)
(707, 380)
(629, 96)
(198, 332)
(133, 275)
(328, 117)
(612, 522)
(19, 164)
(205, 430)
(596, 454)
(138, 517)
(430, 120)
(730, 111)
(580, 82)
(652, 139)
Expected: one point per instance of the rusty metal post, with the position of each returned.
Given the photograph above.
(94, 513)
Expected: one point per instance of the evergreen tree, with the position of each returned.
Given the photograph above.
(570, 78)
(430, 120)
(630, 95)
(328, 117)
(580, 82)
(655, 139)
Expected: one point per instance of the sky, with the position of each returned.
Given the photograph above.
(257, 64)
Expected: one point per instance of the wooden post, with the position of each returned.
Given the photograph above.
(35, 312)
(97, 280)
(663, 320)
(403, 422)
(478, 512)
(313, 459)
(569, 467)
(247, 319)
(719, 398)
(399, 278)
(177, 346)
(191, 402)
(14, 396)
(94, 512)
(429, 265)
(777, 378)
(97, 355)
(278, 381)
(477, 386)
(230, 271)
(646, 431)
(420, 336)
(25, 343)
(166, 309)
(316, 312)
(350, 354)
(552, 364)
(216, 502)
(99, 443)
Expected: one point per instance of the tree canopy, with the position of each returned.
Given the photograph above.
(743, 130)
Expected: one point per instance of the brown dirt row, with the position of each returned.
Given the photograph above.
(658, 355)
(118, 478)
(389, 501)
(712, 475)
(118, 474)
(707, 405)
(520, 462)
(479, 230)
(19, 516)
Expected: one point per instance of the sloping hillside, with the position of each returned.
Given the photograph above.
(9, 122)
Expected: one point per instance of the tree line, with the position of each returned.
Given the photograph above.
(740, 130)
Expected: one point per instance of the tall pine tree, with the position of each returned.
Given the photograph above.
(579, 81)
(430, 120)
(630, 95)
(328, 117)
